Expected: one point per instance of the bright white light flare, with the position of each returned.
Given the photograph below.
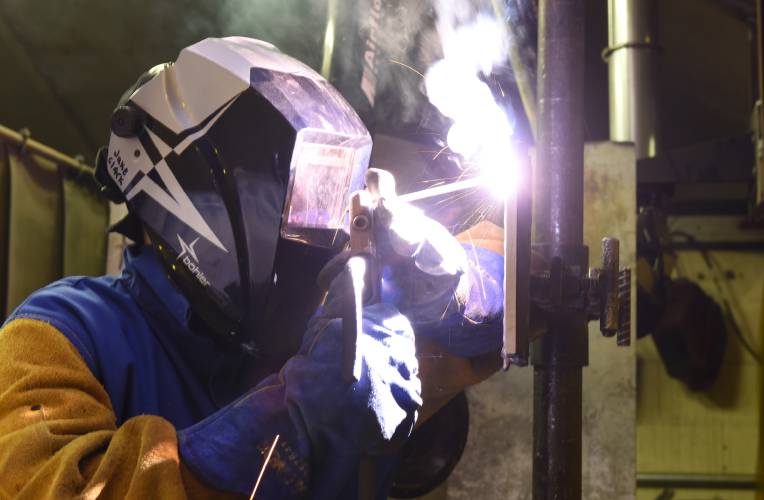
(481, 131)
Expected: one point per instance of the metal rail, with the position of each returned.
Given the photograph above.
(697, 481)
(35, 147)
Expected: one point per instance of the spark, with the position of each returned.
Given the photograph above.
(477, 264)
(406, 66)
(265, 464)
(439, 152)
(457, 197)
(442, 189)
(498, 83)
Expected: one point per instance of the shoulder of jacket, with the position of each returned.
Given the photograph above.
(81, 308)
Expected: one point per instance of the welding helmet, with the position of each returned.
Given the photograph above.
(230, 156)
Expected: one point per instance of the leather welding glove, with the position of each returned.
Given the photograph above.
(325, 424)
(451, 292)
(463, 349)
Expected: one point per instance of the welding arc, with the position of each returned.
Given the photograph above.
(443, 189)
(265, 464)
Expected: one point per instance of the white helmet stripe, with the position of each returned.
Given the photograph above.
(199, 133)
(176, 201)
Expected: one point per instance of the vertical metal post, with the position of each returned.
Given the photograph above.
(630, 55)
(559, 356)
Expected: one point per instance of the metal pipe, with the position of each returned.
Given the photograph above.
(559, 200)
(697, 481)
(560, 354)
(38, 148)
(630, 56)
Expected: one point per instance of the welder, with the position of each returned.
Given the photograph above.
(215, 349)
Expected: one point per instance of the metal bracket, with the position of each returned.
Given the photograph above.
(604, 293)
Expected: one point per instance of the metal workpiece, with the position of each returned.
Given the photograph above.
(559, 355)
(517, 269)
(630, 56)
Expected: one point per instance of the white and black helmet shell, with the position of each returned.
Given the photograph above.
(204, 155)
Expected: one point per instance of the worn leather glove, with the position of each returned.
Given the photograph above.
(452, 294)
(325, 424)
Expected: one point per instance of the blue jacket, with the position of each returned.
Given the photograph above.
(133, 332)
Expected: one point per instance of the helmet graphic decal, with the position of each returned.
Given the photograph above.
(171, 196)
(187, 249)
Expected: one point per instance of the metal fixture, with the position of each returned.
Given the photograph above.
(708, 178)
(565, 293)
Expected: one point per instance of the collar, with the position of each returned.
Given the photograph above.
(219, 366)
(152, 287)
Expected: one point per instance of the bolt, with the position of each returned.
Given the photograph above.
(361, 222)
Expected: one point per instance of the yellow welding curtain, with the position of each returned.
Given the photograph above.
(52, 224)
(35, 219)
(86, 217)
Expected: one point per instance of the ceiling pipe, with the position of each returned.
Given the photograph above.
(630, 57)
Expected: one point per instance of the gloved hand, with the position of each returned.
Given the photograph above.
(452, 294)
(324, 423)
(420, 262)
(477, 336)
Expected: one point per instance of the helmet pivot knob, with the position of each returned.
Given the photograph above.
(126, 121)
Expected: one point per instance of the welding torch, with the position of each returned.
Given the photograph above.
(363, 269)
(364, 289)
